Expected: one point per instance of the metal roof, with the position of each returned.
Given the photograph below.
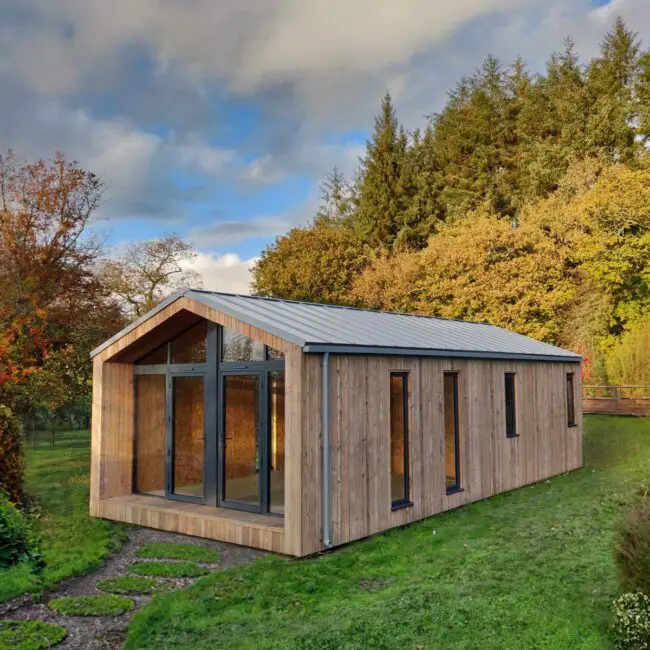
(330, 328)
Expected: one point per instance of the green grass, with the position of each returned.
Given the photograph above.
(29, 635)
(170, 551)
(131, 585)
(73, 542)
(104, 605)
(529, 569)
(168, 569)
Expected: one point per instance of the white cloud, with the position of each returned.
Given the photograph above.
(250, 45)
(229, 272)
(92, 77)
(207, 159)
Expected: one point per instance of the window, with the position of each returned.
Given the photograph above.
(274, 355)
(189, 347)
(236, 347)
(150, 436)
(452, 451)
(511, 412)
(399, 439)
(570, 401)
(276, 443)
(156, 357)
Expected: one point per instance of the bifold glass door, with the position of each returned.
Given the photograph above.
(210, 421)
(252, 440)
(241, 440)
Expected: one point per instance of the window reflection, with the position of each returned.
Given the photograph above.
(190, 346)
(274, 355)
(276, 432)
(239, 347)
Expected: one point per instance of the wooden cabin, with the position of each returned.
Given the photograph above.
(296, 427)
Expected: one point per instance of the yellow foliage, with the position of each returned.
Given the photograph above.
(590, 238)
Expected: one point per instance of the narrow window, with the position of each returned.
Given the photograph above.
(399, 439)
(570, 401)
(452, 451)
(511, 412)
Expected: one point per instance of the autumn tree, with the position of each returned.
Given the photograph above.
(47, 259)
(316, 263)
(140, 275)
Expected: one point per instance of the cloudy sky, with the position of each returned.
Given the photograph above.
(218, 118)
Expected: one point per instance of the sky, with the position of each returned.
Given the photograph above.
(217, 119)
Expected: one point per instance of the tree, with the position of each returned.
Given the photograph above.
(337, 198)
(142, 274)
(610, 83)
(47, 260)
(317, 264)
(380, 200)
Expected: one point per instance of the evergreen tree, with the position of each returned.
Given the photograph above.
(336, 198)
(474, 141)
(552, 123)
(642, 92)
(610, 78)
(380, 200)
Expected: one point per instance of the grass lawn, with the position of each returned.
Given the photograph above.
(528, 569)
(73, 542)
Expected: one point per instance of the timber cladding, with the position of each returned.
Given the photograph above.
(489, 461)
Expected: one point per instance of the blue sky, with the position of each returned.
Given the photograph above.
(217, 119)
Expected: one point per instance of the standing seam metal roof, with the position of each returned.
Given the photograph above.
(330, 328)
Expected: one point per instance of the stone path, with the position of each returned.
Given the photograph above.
(109, 632)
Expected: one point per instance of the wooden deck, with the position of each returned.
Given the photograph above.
(248, 529)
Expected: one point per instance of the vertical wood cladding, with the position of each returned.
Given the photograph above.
(490, 462)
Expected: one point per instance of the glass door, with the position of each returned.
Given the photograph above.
(241, 442)
(186, 444)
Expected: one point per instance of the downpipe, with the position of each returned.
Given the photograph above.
(325, 415)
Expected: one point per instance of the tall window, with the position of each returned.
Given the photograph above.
(511, 412)
(399, 439)
(452, 444)
(570, 401)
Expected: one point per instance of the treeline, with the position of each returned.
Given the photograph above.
(525, 202)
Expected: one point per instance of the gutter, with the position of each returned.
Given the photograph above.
(325, 415)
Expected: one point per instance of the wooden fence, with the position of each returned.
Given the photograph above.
(616, 400)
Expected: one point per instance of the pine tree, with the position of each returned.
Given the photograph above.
(336, 198)
(380, 202)
(473, 144)
(642, 96)
(552, 123)
(610, 79)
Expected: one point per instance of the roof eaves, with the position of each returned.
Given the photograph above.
(136, 323)
(315, 348)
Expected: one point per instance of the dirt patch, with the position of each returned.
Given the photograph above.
(108, 632)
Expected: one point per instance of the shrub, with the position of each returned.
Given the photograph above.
(29, 635)
(104, 605)
(11, 456)
(631, 613)
(633, 550)
(18, 542)
(171, 551)
(168, 569)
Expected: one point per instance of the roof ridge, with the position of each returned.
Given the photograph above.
(333, 306)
